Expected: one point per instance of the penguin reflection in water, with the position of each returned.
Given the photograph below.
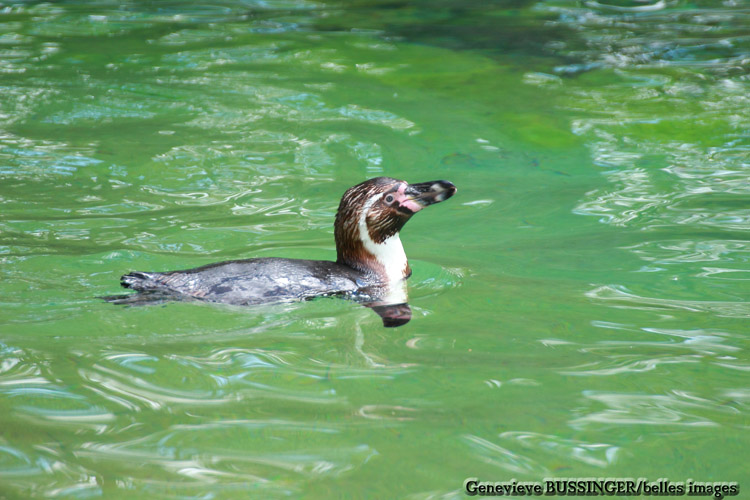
(371, 266)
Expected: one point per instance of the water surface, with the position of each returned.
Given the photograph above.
(580, 306)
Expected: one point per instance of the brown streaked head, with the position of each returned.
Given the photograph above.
(381, 206)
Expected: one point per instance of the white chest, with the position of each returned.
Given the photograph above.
(390, 254)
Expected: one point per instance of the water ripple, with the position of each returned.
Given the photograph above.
(690, 251)
(50, 403)
(676, 408)
(674, 347)
(176, 451)
(597, 454)
(628, 364)
(133, 391)
(620, 297)
(658, 34)
(504, 458)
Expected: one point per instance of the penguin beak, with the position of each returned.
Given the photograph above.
(428, 193)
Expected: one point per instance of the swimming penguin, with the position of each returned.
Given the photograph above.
(371, 266)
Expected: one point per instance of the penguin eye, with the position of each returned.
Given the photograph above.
(389, 199)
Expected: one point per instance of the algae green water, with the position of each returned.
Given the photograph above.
(580, 306)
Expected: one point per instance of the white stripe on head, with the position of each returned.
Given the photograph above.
(390, 254)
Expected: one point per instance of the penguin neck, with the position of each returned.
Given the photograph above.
(356, 248)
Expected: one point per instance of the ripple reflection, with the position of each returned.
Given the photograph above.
(504, 458)
(597, 454)
(619, 297)
(675, 408)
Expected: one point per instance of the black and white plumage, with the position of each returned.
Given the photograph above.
(370, 263)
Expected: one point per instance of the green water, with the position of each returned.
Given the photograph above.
(580, 306)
